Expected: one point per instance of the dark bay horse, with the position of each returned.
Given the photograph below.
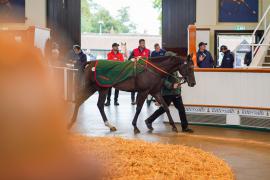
(150, 81)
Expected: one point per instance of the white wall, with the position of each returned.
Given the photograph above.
(35, 12)
(229, 89)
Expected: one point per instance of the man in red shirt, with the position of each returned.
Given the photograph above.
(143, 52)
(114, 55)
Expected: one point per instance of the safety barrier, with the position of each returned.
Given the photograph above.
(67, 78)
(234, 97)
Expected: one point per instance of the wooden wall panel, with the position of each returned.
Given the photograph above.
(176, 16)
(64, 19)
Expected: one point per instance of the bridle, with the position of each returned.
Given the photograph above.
(181, 80)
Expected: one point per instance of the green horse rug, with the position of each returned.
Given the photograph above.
(109, 73)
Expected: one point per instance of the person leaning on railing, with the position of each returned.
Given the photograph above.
(114, 55)
(79, 63)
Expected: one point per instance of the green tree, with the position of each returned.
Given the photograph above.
(94, 15)
(85, 16)
(157, 4)
(126, 26)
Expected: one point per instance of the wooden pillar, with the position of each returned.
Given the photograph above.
(192, 43)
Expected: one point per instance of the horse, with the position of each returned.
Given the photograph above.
(150, 81)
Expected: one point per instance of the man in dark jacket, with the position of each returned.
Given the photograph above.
(79, 63)
(81, 60)
(228, 58)
(158, 52)
(248, 58)
(171, 93)
(204, 57)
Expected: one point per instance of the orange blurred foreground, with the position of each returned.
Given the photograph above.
(33, 137)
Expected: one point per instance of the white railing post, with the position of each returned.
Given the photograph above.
(262, 24)
(265, 23)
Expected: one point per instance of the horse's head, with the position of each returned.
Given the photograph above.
(186, 69)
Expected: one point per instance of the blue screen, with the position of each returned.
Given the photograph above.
(12, 11)
(238, 10)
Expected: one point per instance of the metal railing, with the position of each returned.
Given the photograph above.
(266, 27)
(66, 80)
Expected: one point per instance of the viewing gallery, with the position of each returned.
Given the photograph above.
(135, 90)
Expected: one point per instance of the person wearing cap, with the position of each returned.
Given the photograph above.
(228, 58)
(204, 57)
(158, 52)
(143, 52)
(114, 55)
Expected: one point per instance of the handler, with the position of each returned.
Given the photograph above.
(143, 52)
(171, 92)
(114, 55)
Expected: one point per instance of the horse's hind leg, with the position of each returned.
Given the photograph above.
(85, 95)
(140, 101)
(160, 100)
(101, 101)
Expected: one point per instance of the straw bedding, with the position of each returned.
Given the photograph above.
(134, 159)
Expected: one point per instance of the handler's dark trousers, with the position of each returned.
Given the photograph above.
(178, 103)
(133, 96)
(116, 94)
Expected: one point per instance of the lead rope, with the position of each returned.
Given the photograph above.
(181, 80)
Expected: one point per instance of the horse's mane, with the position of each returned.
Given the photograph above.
(156, 59)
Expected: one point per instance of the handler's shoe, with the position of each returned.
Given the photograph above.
(149, 125)
(133, 103)
(108, 103)
(187, 130)
(116, 103)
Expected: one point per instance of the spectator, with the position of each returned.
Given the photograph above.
(143, 52)
(248, 58)
(228, 58)
(171, 92)
(79, 63)
(158, 52)
(81, 59)
(114, 55)
(204, 57)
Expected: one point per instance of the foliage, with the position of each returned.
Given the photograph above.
(94, 16)
(157, 4)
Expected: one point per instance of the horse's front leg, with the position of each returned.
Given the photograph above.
(161, 101)
(101, 102)
(140, 101)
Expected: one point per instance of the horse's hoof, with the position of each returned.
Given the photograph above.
(136, 131)
(149, 125)
(113, 129)
(174, 129)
